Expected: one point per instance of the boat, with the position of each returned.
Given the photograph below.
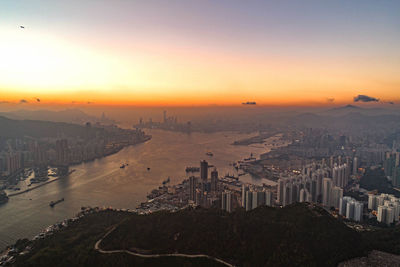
(209, 154)
(53, 203)
(122, 166)
(166, 181)
(3, 197)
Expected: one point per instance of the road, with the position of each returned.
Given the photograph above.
(97, 248)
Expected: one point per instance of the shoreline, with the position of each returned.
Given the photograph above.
(40, 185)
(147, 138)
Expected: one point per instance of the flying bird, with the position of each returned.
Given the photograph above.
(22, 27)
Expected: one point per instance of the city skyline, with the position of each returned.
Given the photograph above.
(198, 53)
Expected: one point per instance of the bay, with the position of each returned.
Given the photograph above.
(103, 183)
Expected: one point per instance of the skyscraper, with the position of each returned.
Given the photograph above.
(203, 170)
(372, 202)
(192, 188)
(350, 209)
(249, 200)
(281, 188)
(355, 165)
(268, 198)
(226, 201)
(245, 188)
(358, 211)
(62, 152)
(381, 216)
(336, 194)
(343, 205)
(214, 180)
(326, 191)
(302, 197)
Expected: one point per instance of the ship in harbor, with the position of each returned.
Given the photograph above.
(250, 158)
(53, 203)
(166, 181)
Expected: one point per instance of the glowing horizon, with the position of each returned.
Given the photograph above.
(149, 54)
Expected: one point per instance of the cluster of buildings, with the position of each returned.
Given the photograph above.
(255, 196)
(169, 123)
(86, 144)
(324, 180)
(386, 207)
(320, 183)
(10, 162)
(351, 208)
(391, 166)
(323, 183)
(203, 190)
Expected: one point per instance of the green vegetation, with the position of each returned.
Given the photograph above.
(74, 246)
(387, 240)
(297, 235)
(375, 179)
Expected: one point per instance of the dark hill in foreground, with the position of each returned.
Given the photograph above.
(300, 234)
(295, 235)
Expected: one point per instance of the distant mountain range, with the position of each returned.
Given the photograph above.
(347, 118)
(337, 111)
(68, 115)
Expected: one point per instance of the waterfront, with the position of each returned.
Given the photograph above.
(103, 183)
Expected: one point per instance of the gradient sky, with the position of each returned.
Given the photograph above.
(199, 52)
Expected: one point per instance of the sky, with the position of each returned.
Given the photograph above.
(182, 53)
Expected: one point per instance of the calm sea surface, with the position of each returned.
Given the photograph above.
(103, 183)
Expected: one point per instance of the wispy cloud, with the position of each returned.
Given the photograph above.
(23, 101)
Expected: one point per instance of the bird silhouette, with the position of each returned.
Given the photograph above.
(22, 27)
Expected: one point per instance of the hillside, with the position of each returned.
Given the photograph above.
(68, 115)
(295, 235)
(39, 129)
(265, 236)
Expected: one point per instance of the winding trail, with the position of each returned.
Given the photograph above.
(97, 248)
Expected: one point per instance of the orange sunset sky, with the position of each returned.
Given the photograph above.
(198, 52)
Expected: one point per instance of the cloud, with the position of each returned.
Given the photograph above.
(23, 101)
(4, 102)
(330, 99)
(249, 103)
(89, 102)
(365, 98)
(389, 102)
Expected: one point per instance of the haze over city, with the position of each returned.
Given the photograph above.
(199, 133)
